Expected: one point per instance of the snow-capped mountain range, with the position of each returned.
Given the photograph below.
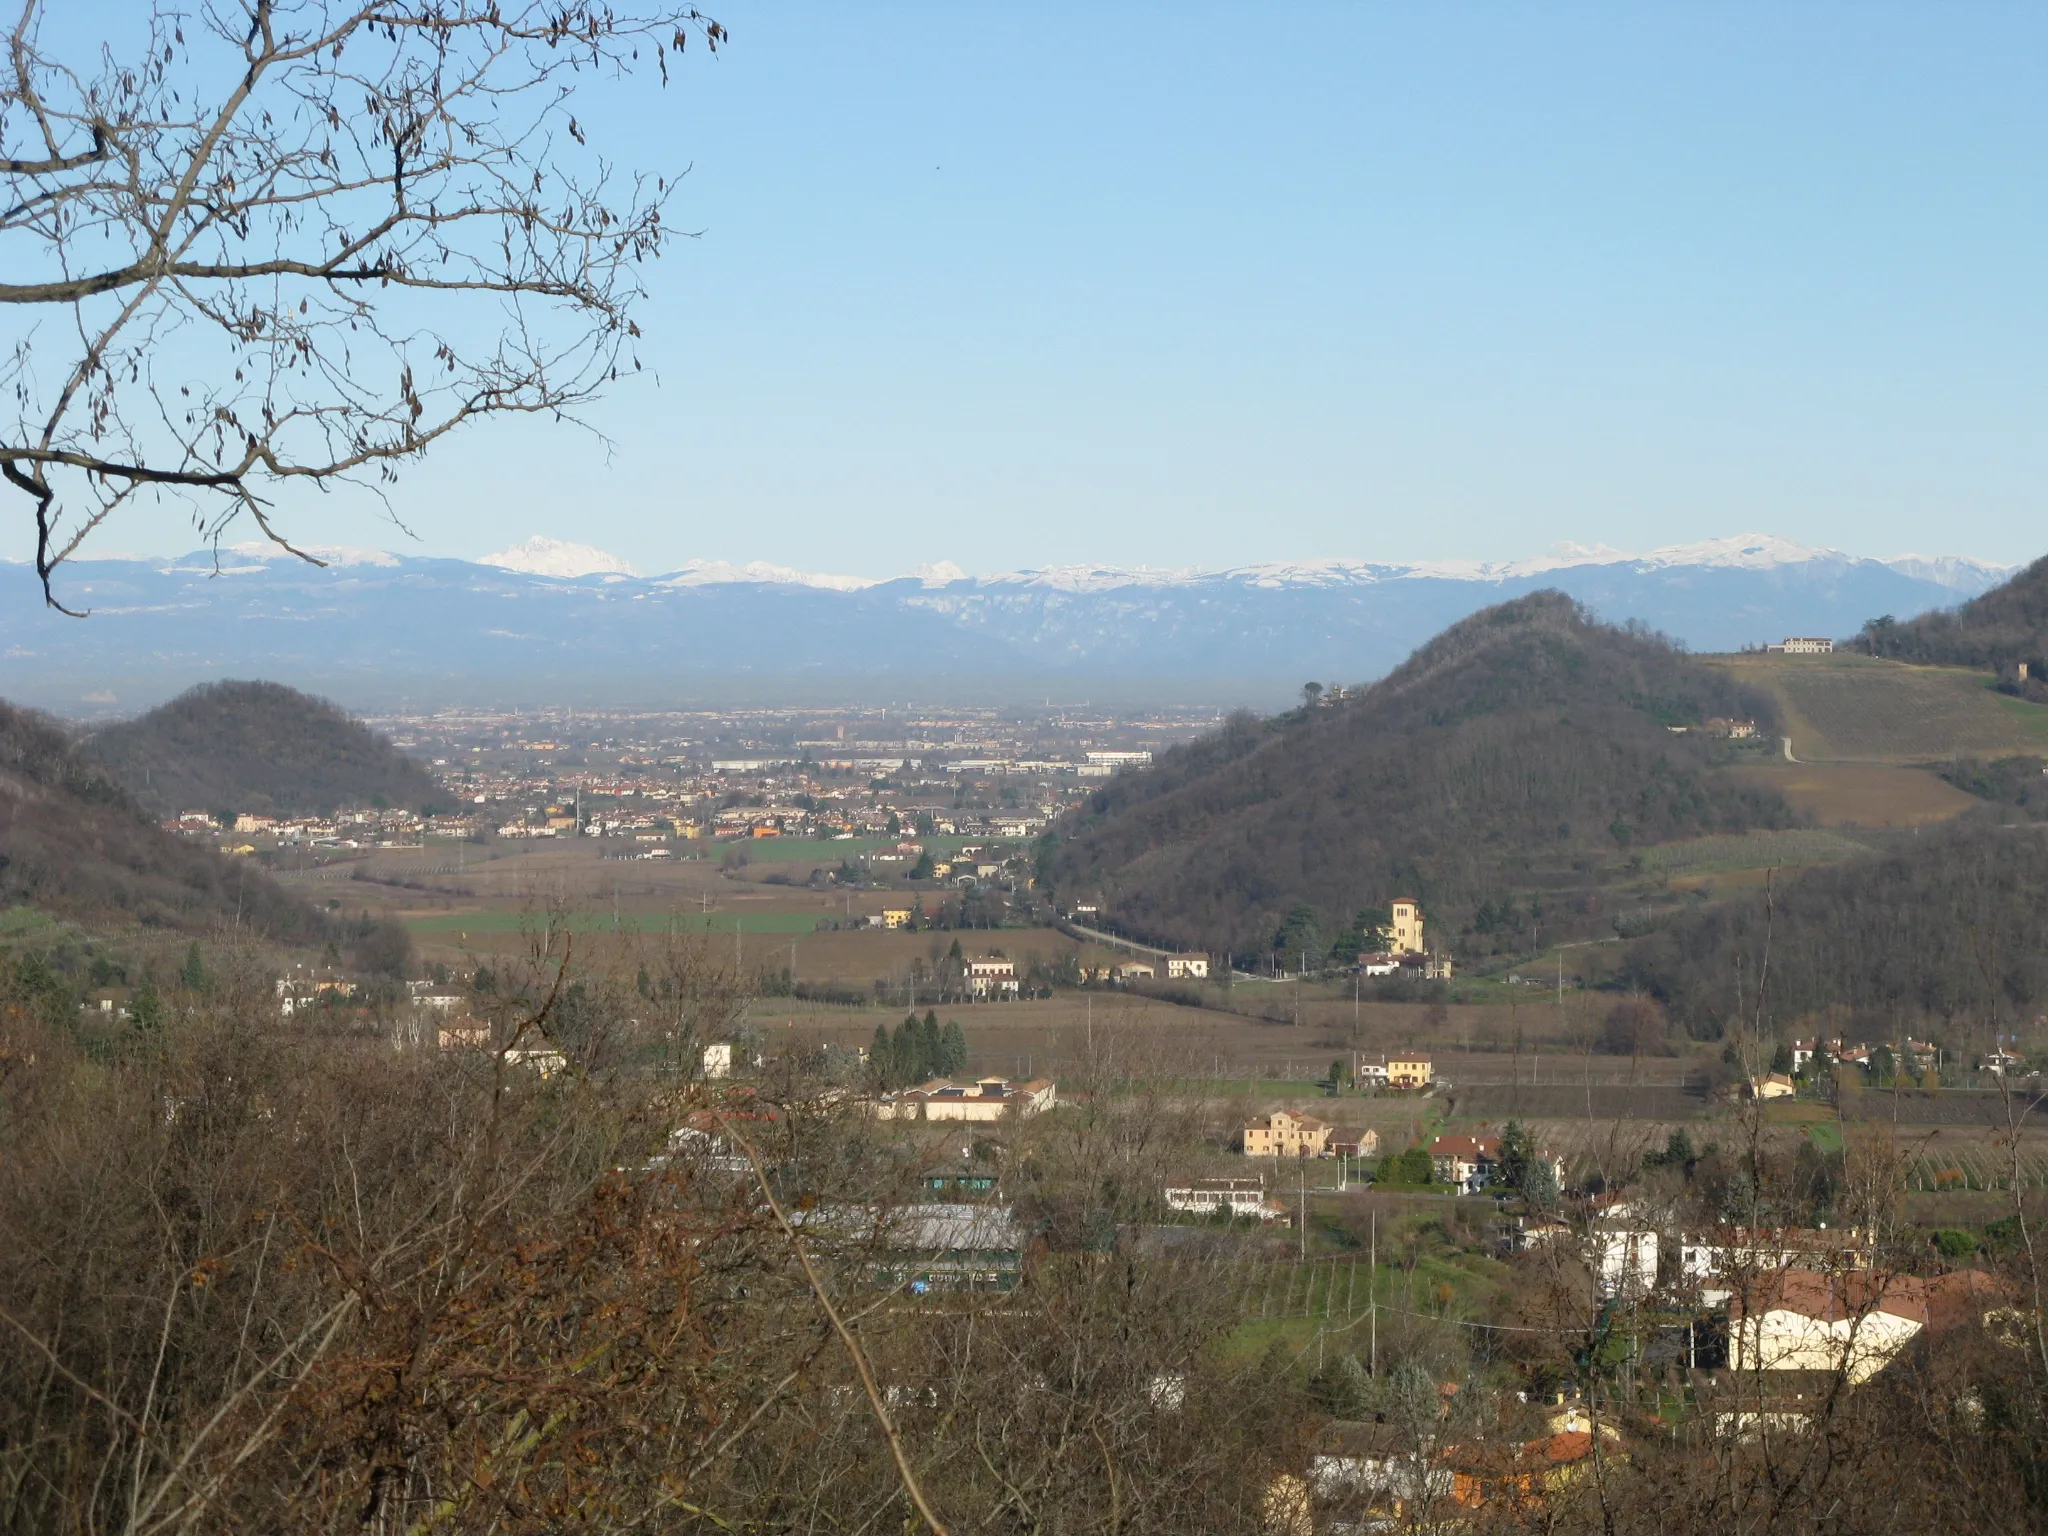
(543, 556)
(547, 618)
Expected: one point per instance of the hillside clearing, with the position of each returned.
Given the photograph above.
(1860, 794)
(1857, 709)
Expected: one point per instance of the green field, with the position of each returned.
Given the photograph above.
(506, 920)
(2031, 718)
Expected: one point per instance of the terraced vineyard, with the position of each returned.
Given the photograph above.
(1753, 850)
(1975, 1168)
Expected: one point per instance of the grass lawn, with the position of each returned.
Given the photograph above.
(1797, 1112)
(1825, 1135)
(2031, 718)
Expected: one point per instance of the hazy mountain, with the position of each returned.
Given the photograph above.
(1501, 775)
(259, 747)
(372, 625)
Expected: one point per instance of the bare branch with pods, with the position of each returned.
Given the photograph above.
(261, 242)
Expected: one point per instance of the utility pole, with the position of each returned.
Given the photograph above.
(1304, 1213)
(1372, 1287)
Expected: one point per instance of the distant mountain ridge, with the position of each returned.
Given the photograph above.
(377, 625)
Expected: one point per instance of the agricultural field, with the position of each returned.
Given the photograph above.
(1852, 795)
(1855, 709)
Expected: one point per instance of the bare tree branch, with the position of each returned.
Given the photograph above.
(308, 243)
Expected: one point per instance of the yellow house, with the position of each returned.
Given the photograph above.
(895, 917)
(1406, 937)
(1287, 1134)
(1408, 1070)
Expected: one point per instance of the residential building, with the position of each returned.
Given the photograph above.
(1286, 1133)
(1473, 1162)
(1772, 1085)
(1351, 1141)
(1187, 967)
(1240, 1197)
(1466, 1161)
(1625, 1261)
(1799, 1320)
(1726, 1254)
(1408, 1070)
(1804, 645)
(464, 1036)
(992, 976)
(1405, 937)
(895, 917)
(1369, 1071)
(987, 1098)
(947, 1247)
(1135, 970)
(718, 1059)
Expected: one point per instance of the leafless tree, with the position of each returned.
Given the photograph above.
(265, 241)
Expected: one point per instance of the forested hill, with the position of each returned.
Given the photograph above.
(261, 747)
(1496, 775)
(72, 841)
(1941, 934)
(2006, 626)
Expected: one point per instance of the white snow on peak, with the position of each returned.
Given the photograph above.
(543, 556)
(1098, 578)
(1743, 551)
(1957, 571)
(327, 554)
(939, 573)
(706, 573)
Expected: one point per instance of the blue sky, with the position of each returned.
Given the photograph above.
(1205, 285)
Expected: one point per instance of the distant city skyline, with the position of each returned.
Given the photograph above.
(1154, 286)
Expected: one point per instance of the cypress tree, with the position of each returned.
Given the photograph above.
(953, 1046)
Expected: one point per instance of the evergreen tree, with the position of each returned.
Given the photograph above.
(903, 1053)
(1516, 1156)
(882, 1059)
(146, 1008)
(953, 1044)
(931, 1056)
(193, 976)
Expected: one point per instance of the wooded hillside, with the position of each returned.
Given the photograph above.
(261, 747)
(73, 841)
(2006, 626)
(1941, 933)
(1496, 775)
